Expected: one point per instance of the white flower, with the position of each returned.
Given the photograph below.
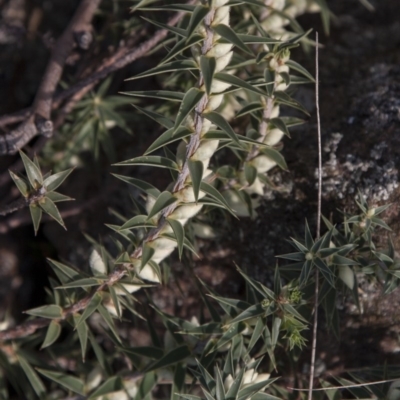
(97, 264)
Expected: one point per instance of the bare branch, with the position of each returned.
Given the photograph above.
(38, 122)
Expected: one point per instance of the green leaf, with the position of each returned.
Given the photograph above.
(252, 39)
(82, 329)
(257, 332)
(50, 208)
(68, 381)
(219, 389)
(159, 118)
(179, 233)
(54, 181)
(253, 311)
(32, 171)
(278, 123)
(145, 351)
(181, 46)
(33, 377)
(141, 185)
(94, 303)
(197, 17)
(52, 334)
(297, 67)
(250, 108)
(172, 357)
(340, 260)
(56, 197)
(51, 311)
(179, 31)
(85, 282)
(111, 385)
(234, 389)
(157, 94)
(181, 65)
(216, 195)
(250, 172)
(140, 221)
(229, 34)
(192, 97)
(249, 391)
(196, 174)
(325, 271)
(153, 161)
(346, 274)
(269, 76)
(207, 67)
(220, 121)
(63, 272)
(146, 385)
(275, 156)
(147, 254)
(36, 215)
(164, 200)
(168, 137)
(235, 81)
(109, 321)
(21, 182)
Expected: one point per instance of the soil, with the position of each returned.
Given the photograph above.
(360, 114)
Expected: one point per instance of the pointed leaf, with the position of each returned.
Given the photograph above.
(250, 108)
(159, 118)
(141, 185)
(250, 172)
(207, 67)
(52, 334)
(109, 321)
(197, 17)
(179, 233)
(164, 200)
(85, 282)
(172, 357)
(229, 34)
(36, 215)
(278, 123)
(240, 83)
(32, 171)
(180, 65)
(216, 195)
(147, 254)
(191, 98)
(82, 329)
(54, 181)
(68, 272)
(33, 377)
(140, 221)
(68, 381)
(275, 156)
(22, 183)
(253, 311)
(51, 311)
(297, 67)
(168, 137)
(157, 94)
(50, 208)
(153, 161)
(111, 385)
(196, 174)
(56, 197)
(94, 303)
(220, 121)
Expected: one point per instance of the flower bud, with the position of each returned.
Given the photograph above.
(219, 50)
(205, 151)
(223, 61)
(221, 16)
(273, 137)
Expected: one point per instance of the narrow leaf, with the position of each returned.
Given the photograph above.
(54, 181)
(33, 377)
(207, 67)
(51, 311)
(179, 233)
(154, 161)
(52, 334)
(229, 34)
(36, 215)
(48, 206)
(196, 174)
(32, 171)
(164, 200)
(192, 97)
(68, 381)
(220, 121)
